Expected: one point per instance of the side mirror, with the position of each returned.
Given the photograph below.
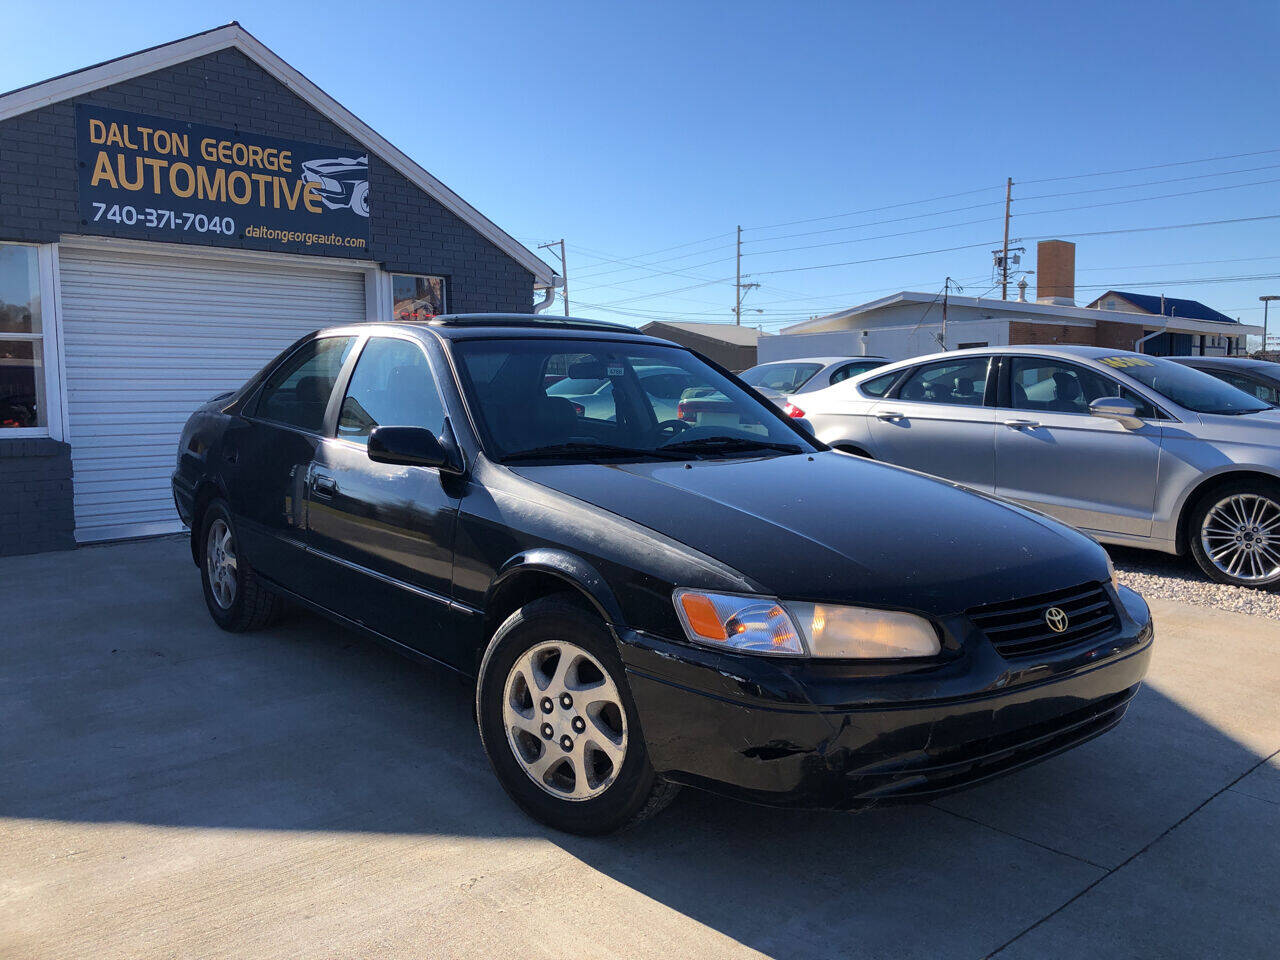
(1124, 412)
(412, 447)
(805, 425)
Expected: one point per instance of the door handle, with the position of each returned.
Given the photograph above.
(1019, 424)
(890, 415)
(324, 486)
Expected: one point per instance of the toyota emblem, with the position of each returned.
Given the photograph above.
(1056, 619)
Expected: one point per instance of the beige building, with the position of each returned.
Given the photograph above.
(728, 344)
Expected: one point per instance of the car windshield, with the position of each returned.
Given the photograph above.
(1188, 388)
(511, 390)
(783, 377)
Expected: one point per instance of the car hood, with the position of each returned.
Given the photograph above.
(839, 529)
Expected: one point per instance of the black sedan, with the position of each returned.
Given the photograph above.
(645, 602)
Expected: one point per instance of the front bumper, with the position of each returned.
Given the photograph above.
(848, 735)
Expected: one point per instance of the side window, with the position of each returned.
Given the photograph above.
(1255, 388)
(961, 382)
(392, 386)
(879, 386)
(297, 392)
(1055, 387)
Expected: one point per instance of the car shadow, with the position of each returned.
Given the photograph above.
(122, 703)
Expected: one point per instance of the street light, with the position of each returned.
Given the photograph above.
(1266, 301)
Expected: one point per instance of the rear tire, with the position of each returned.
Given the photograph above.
(559, 725)
(237, 598)
(1234, 533)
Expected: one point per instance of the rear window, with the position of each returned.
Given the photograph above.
(782, 377)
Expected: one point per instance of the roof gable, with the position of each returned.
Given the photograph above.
(1168, 306)
(84, 81)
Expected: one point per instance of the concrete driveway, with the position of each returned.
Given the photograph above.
(170, 790)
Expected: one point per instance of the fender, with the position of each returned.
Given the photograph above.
(570, 568)
(1169, 515)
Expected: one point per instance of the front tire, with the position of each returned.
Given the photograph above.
(1234, 533)
(237, 598)
(558, 723)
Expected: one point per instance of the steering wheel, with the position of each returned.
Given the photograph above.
(667, 429)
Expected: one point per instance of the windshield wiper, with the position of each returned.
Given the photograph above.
(726, 444)
(583, 447)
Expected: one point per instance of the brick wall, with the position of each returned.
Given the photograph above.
(1118, 336)
(409, 231)
(1021, 332)
(36, 511)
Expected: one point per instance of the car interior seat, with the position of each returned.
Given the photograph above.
(1067, 394)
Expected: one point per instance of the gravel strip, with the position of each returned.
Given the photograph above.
(1177, 578)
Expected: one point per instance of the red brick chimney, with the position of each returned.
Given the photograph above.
(1056, 272)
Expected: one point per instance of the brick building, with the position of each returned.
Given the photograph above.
(910, 324)
(169, 221)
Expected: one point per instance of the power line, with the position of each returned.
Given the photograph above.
(1154, 166)
(1151, 183)
(970, 246)
(891, 206)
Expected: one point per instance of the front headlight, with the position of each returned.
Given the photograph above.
(766, 625)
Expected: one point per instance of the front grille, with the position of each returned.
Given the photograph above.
(1018, 628)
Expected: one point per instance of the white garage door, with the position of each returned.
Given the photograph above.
(148, 339)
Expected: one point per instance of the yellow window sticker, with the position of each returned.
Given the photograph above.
(1121, 362)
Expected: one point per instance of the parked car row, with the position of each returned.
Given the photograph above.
(646, 601)
(1134, 450)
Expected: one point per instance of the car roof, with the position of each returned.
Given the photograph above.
(1062, 351)
(825, 361)
(507, 325)
(1247, 363)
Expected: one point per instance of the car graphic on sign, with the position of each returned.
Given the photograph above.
(343, 182)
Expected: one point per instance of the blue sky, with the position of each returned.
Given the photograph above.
(630, 129)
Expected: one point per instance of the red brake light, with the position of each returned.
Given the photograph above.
(578, 409)
(791, 410)
(684, 413)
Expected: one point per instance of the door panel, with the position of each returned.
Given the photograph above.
(937, 423)
(385, 532)
(1087, 471)
(1052, 454)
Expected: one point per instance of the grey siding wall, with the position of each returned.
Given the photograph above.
(409, 231)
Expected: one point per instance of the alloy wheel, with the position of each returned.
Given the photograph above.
(1241, 537)
(565, 721)
(220, 563)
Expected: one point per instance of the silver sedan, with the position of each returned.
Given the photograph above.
(1132, 449)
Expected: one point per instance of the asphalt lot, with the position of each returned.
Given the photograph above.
(170, 790)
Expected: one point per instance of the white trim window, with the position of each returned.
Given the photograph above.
(415, 297)
(26, 408)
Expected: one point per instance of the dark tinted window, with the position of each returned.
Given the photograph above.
(392, 386)
(1053, 386)
(1265, 392)
(297, 393)
(879, 386)
(961, 382)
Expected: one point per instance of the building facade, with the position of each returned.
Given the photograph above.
(171, 220)
(909, 324)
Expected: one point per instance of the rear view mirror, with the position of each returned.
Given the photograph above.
(411, 447)
(1118, 409)
(588, 370)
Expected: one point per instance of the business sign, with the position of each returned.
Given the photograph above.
(169, 180)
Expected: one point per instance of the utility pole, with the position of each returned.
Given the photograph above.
(946, 289)
(739, 288)
(564, 271)
(1266, 302)
(1004, 257)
